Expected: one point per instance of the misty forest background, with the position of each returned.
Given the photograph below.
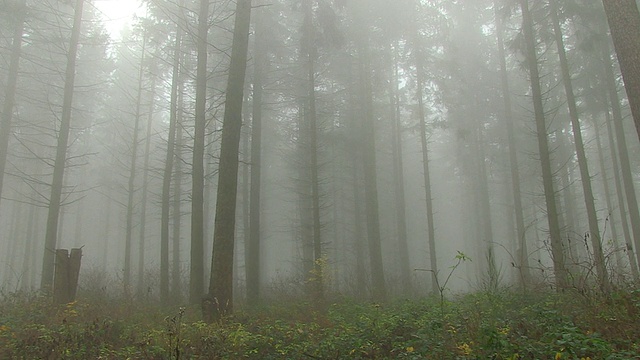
(382, 143)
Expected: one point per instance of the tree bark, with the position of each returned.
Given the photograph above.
(624, 22)
(61, 153)
(220, 299)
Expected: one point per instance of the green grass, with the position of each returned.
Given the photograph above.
(502, 325)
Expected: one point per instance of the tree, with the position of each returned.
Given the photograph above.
(594, 229)
(61, 153)
(10, 90)
(522, 250)
(252, 256)
(168, 168)
(133, 169)
(557, 251)
(220, 298)
(196, 273)
(624, 22)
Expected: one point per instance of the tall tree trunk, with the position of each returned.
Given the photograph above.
(10, 90)
(29, 252)
(623, 154)
(220, 300)
(594, 229)
(431, 230)
(522, 256)
(398, 178)
(61, 153)
(252, 257)
(145, 186)
(168, 169)
(379, 292)
(624, 22)
(132, 171)
(557, 251)
(607, 195)
(620, 192)
(196, 273)
(176, 288)
(317, 277)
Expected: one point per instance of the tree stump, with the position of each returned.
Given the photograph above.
(67, 271)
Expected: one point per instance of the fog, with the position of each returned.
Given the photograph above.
(378, 151)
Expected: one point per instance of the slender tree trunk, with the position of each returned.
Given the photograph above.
(105, 234)
(607, 195)
(61, 153)
(620, 192)
(624, 22)
(132, 171)
(431, 230)
(246, 222)
(196, 273)
(594, 229)
(221, 281)
(176, 288)
(145, 187)
(379, 292)
(557, 251)
(522, 256)
(27, 270)
(398, 178)
(10, 90)
(620, 140)
(317, 277)
(168, 170)
(252, 257)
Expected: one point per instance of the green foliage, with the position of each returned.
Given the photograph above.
(488, 325)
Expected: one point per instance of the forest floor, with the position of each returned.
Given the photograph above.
(483, 325)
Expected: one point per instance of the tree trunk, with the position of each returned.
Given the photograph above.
(220, 299)
(522, 256)
(176, 288)
(398, 178)
(168, 170)
(431, 230)
(252, 257)
(10, 91)
(624, 22)
(594, 229)
(379, 292)
(132, 172)
(557, 252)
(145, 187)
(318, 268)
(620, 192)
(607, 195)
(620, 140)
(196, 273)
(61, 153)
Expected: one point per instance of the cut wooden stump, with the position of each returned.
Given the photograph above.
(67, 271)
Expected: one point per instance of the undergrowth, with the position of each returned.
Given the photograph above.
(499, 325)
